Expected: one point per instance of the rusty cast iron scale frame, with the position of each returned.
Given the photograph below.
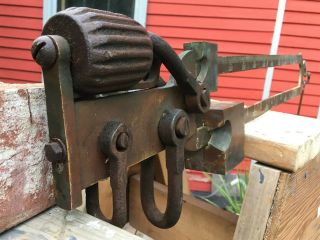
(108, 109)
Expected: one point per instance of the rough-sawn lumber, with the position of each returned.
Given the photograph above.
(58, 224)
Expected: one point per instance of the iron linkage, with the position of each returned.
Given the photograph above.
(173, 130)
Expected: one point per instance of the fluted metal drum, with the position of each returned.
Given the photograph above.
(109, 51)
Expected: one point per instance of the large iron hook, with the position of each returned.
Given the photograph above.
(115, 139)
(173, 130)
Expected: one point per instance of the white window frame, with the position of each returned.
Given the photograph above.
(140, 10)
(274, 46)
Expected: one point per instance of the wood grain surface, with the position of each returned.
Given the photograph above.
(25, 176)
(257, 203)
(59, 224)
(282, 140)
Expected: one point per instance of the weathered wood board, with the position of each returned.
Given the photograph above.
(58, 224)
(260, 192)
(288, 209)
(295, 212)
(282, 140)
(199, 220)
(25, 177)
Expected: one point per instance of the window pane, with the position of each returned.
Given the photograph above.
(120, 6)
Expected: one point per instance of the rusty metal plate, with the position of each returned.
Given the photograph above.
(140, 111)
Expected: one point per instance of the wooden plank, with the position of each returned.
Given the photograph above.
(257, 203)
(180, 36)
(286, 208)
(199, 220)
(105, 198)
(210, 23)
(282, 140)
(19, 64)
(210, 11)
(19, 33)
(14, 53)
(31, 3)
(25, 176)
(303, 6)
(236, 3)
(21, 11)
(295, 213)
(57, 224)
(311, 231)
(20, 75)
(16, 43)
(21, 22)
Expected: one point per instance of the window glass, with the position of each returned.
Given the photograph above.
(120, 6)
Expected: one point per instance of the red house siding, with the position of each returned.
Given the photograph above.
(20, 24)
(301, 33)
(245, 27)
(238, 27)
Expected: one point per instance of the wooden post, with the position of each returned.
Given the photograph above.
(256, 207)
(25, 176)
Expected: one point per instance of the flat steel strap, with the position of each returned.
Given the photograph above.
(263, 106)
(244, 63)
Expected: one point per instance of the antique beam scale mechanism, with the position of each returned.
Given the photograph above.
(108, 109)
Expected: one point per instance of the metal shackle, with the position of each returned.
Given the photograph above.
(173, 130)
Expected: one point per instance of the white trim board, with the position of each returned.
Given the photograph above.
(140, 11)
(49, 9)
(274, 46)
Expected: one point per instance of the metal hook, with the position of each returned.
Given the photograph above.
(173, 129)
(196, 96)
(115, 140)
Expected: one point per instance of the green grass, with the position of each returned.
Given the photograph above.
(234, 203)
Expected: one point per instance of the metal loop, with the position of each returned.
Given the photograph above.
(115, 140)
(174, 199)
(173, 130)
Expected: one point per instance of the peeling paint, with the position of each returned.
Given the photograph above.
(26, 184)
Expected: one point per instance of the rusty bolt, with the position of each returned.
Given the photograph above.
(55, 151)
(122, 141)
(44, 51)
(182, 127)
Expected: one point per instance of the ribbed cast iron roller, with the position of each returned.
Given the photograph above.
(110, 51)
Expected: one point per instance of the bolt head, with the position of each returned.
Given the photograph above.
(182, 127)
(122, 141)
(55, 152)
(44, 51)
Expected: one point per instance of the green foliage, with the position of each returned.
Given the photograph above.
(234, 201)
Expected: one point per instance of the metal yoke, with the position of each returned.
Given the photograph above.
(108, 109)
